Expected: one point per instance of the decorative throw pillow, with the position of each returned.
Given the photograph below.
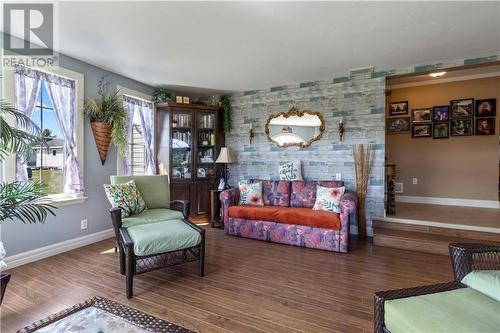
(125, 196)
(290, 170)
(251, 194)
(328, 198)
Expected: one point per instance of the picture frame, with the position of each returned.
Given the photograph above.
(421, 115)
(462, 108)
(486, 108)
(421, 131)
(185, 100)
(441, 130)
(201, 173)
(485, 126)
(441, 113)
(178, 99)
(398, 125)
(462, 127)
(398, 108)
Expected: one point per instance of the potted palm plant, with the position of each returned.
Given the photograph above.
(108, 119)
(20, 201)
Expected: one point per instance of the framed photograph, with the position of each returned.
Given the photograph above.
(421, 115)
(485, 126)
(398, 108)
(486, 107)
(441, 113)
(462, 108)
(201, 173)
(185, 100)
(178, 99)
(462, 127)
(441, 130)
(421, 131)
(398, 125)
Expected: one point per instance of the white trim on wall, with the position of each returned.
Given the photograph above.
(53, 249)
(448, 201)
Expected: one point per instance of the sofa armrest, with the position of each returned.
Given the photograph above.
(381, 296)
(349, 201)
(229, 198)
(181, 206)
(467, 257)
(116, 218)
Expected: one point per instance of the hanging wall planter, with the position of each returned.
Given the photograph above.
(102, 135)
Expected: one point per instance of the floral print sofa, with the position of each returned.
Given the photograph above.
(287, 216)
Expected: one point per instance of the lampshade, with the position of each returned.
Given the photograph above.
(225, 156)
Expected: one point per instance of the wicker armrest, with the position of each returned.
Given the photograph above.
(194, 226)
(181, 206)
(381, 296)
(116, 218)
(125, 238)
(467, 257)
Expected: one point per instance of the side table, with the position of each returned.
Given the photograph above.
(215, 209)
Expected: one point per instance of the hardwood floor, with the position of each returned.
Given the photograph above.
(249, 286)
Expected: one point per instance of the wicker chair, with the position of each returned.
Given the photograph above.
(465, 258)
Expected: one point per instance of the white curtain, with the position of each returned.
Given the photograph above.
(62, 93)
(27, 89)
(144, 111)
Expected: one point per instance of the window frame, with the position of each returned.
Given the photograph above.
(8, 166)
(124, 91)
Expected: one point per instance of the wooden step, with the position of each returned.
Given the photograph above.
(423, 238)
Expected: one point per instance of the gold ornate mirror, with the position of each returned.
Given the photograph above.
(295, 128)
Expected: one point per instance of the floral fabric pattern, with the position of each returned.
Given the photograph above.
(304, 192)
(126, 197)
(251, 194)
(290, 170)
(275, 192)
(328, 198)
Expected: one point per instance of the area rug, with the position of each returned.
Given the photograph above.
(101, 315)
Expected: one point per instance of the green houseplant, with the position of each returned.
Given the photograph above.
(108, 119)
(161, 95)
(18, 200)
(226, 107)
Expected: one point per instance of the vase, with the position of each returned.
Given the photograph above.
(102, 135)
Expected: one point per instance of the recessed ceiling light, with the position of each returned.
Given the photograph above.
(437, 74)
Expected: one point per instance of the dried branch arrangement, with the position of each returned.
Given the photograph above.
(363, 158)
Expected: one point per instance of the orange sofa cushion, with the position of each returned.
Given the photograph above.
(287, 215)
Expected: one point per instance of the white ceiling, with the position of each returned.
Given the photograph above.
(238, 46)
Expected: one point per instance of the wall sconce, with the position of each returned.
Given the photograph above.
(251, 133)
(341, 130)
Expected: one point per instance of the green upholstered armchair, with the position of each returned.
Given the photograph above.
(158, 237)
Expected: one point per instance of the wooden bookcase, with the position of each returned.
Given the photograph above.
(189, 138)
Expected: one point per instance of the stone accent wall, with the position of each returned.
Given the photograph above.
(359, 100)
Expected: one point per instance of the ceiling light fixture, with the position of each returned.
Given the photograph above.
(437, 74)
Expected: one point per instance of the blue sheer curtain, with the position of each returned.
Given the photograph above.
(144, 111)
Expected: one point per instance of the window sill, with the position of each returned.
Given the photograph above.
(59, 200)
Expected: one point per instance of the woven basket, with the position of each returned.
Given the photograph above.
(102, 135)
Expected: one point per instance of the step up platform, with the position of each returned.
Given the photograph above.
(433, 234)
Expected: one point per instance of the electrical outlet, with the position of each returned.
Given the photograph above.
(83, 224)
(415, 181)
(338, 176)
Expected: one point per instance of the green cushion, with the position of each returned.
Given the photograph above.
(486, 282)
(151, 216)
(459, 310)
(155, 190)
(165, 236)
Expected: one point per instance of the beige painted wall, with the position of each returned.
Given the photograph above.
(458, 167)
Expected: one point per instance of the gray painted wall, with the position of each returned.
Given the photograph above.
(18, 237)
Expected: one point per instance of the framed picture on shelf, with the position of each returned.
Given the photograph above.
(398, 108)
(461, 108)
(421, 131)
(486, 107)
(441, 113)
(185, 100)
(485, 126)
(398, 125)
(178, 99)
(462, 127)
(201, 173)
(440, 130)
(421, 115)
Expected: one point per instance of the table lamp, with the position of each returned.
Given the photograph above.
(225, 157)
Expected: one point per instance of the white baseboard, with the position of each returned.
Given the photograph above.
(53, 249)
(448, 201)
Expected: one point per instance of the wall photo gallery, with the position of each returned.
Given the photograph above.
(462, 117)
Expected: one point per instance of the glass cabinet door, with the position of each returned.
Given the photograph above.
(181, 145)
(205, 159)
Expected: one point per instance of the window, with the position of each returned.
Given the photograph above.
(137, 151)
(46, 163)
